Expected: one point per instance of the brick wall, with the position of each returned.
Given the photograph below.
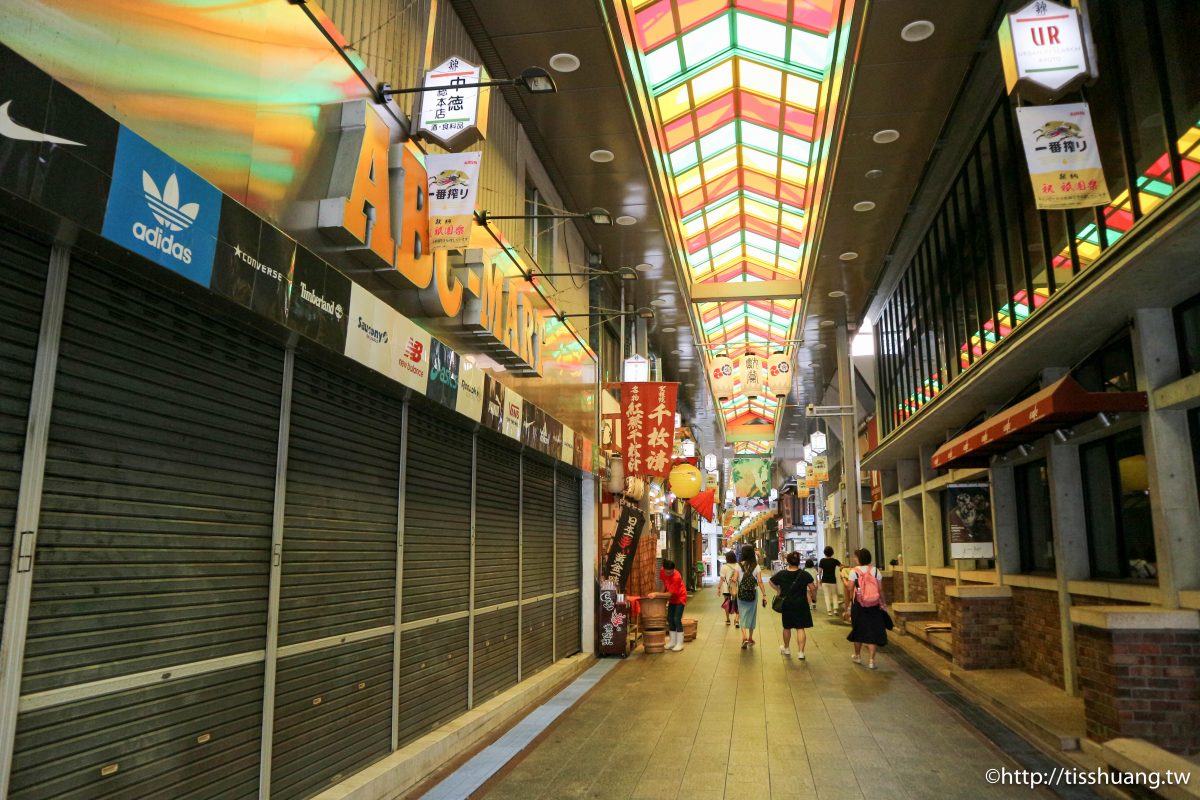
(890, 584)
(916, 588)
(1142, 684)
(939, 597)
(1037, 637)
(983, 631)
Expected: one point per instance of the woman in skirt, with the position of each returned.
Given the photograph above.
(866, 607)
(797, 588)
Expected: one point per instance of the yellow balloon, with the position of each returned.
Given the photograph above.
(686, 481)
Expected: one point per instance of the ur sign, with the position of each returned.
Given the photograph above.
(1044, 51)
(779, 374)
(723, 380)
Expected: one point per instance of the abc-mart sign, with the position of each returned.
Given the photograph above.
(1046, 51)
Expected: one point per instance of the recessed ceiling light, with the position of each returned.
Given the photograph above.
(660, 302)
(568, 62)
(886, 136)
(827, 323)
(916, 31)
(849, 255)
(601, 156)
(625, 220)
(864, 205)
(667, 329)
(644, 267)
(837, 294)
(873, 174)
(819, 346)
(676, 352)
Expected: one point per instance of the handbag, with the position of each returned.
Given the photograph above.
(777, 601)
(887, 621)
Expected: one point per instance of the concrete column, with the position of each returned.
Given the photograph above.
(852, 516)
(1070, 543)
(907, 475)
(1169, 462)
(931, 519)
(892, 543)
(1004, 521)
(912, 528)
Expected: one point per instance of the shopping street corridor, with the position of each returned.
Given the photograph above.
(716, 721)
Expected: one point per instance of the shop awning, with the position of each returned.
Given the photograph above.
(1060, 404)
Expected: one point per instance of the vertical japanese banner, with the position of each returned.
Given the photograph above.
(624, 545)
(1064, 159)
(453, 190)
(648, 416)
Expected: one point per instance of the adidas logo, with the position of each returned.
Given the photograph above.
(165, 206)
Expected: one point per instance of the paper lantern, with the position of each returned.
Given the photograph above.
(686, 481)
(616, 474)
(752, 376)
(721, 373)
(779, 374)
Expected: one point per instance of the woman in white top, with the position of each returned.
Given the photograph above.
(727, 588)
(749, 589)
(866, 608)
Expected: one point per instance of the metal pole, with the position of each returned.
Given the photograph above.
(852, 525)
(471, 579)
(401, 503)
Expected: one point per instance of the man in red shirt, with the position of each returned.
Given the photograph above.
(673, 581)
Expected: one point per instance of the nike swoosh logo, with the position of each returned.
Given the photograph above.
(9, 128)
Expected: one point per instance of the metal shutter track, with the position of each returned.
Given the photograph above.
(333, 715)
(433, 687)
(153, 736)
(155, 528)
(23, 265)
(495, 653)
(339, 557)
(497, 517)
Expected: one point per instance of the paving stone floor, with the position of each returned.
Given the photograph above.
(718, 722)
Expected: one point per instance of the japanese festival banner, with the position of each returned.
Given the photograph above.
(453, 189)
(614, 622)
(648, 414)
(1063, 157)
(624, 545)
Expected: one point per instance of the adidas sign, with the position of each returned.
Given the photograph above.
(159, 240)
(165, 208)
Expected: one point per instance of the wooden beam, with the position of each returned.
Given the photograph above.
(744, 292)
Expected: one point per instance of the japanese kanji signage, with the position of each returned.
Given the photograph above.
(821, 468)
(624, 545)
(648, 414)
(1044, 51)
(1064, 161)
(449, 112)
(453, 189)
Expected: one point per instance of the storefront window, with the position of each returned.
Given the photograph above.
(1034, 529)
(539, 233)
(1109, 369)
(1117, 504)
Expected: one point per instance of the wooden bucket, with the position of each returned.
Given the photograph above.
(689, 629)
(654, 612)
(654, 641)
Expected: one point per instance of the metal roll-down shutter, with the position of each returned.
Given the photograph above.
(436, 579)
(23, 265)
(154, 543)
(497, 569)
(537, 567)
(339, 577)
(567, 565)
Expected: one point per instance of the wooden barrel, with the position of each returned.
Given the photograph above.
(689, 629)
(654, 612)
(653, 641)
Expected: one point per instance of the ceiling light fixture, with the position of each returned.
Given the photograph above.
(565, 62)
(660, 302)
(667, 329)
(644, 267)
(625, 219)
(864, 205)
(849, 255)
(827, 323)
(916, 31)
(837, 294)
(886, 136)
(601, 156)
(873, 174)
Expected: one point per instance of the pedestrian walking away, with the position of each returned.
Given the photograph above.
(673, 581)
(830, 581)
(810, 567)
(866, 607)
(727, 588)
(794, 590)
(749, 591)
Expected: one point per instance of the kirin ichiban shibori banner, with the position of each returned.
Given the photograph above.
(648, 416)
(453, 188)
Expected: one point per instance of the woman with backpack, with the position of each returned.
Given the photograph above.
(727, 588)
(866, 607)
(749, 583)
(794, 589)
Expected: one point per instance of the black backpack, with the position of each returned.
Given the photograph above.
(747, 586)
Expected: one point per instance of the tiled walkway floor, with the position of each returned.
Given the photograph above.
(718, 722)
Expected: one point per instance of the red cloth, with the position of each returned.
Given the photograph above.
(674, 584)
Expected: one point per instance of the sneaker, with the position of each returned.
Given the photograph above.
(745, 644)
(856, 659)
(871, 665)
(800, 655)
(785, 651)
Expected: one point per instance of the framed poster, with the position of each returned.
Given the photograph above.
(969, 520)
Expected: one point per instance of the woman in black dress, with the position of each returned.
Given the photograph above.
(797, 589)
(866, 607)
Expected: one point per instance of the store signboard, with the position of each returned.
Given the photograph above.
(410, 356)
(453, 191)
(568, 445)
(495, 405)
(623, 548)
(637, 369)
(254, 262)
(443, 375)
(1044, 51)
(319, 301)
(514, 408)
(471, 387)
(1063, 156)
(648, 427)
(449, 105)
(969, 520)
(372, 333)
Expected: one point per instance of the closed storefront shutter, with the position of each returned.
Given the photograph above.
(155, 532)
(566, 565)
(23, 266)
(339, 577)
(537, 570)
(437, 571)
(497, 570)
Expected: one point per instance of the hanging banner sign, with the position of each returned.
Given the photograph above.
(811, 481)
(1063, 156)
(648, 423)
(450, 112)
(969, 520)
(453, 190)
(821, 463)
(802, 492)
(723, 380)
(751, 478)
(624, 545)
(817, 442)
(779, 374)
(613, 622)
(1044, 51)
